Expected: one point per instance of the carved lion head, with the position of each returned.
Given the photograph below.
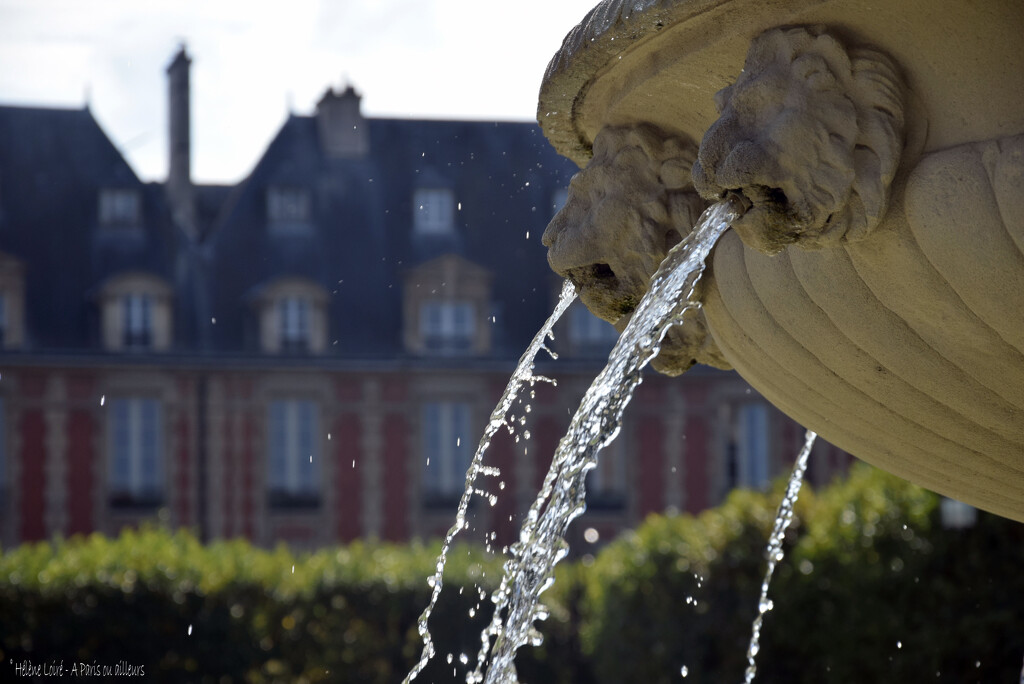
(631, 204)
(811, 134)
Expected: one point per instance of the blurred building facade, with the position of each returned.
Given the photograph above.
(311, 355)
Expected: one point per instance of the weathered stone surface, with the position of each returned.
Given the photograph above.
(811, 134)
(625, 210)
(892, 137)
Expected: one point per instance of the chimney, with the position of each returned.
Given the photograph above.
(344, 133)
(179, 172)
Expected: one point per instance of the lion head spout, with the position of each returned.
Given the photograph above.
(811, 134)
(631, 204)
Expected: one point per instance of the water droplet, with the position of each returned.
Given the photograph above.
(684, 671)
(463, 658)
(899, 644)
(190, 630)
(103, 399)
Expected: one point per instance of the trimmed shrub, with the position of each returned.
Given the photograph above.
(231, 612)
(872, 589)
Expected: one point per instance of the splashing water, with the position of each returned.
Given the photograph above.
(541, 545)
(522, 375)
(782, 520)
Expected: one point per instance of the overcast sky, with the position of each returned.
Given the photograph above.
(254, 61)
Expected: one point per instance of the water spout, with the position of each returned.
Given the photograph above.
(530, 569)
(774, 553)
(522, 375)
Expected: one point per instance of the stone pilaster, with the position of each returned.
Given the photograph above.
(55, 515)
(216, 476)
(372, 458)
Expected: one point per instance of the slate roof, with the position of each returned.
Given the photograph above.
(53, 163)
(505, 175)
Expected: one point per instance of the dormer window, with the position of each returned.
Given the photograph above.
(288, 210)
(445, 300)
(433, 211)
(447, 326)
(135, 313)
(138, 320)
(119, 208)
(293, 315)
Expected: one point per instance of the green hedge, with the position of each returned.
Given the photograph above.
(342, 615)
(872, 589)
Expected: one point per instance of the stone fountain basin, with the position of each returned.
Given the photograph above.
(906, 347)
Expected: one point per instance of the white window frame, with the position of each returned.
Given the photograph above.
(293, 450)
(447, 325)
(289, 208)
(749, 445)
(119, 207)
(433, 211)
(446, 439)
(137, 320)
(293, 314)
(136, 443)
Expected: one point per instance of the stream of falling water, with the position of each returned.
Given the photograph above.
(522, 375)
(783, 518)
(530, 569)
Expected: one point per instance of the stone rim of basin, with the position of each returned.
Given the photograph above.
(900, 339)
(612, 67)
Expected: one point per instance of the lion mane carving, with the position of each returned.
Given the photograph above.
(811, 134)
(630, 205)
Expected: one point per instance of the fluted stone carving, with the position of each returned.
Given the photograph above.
(874, 289)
